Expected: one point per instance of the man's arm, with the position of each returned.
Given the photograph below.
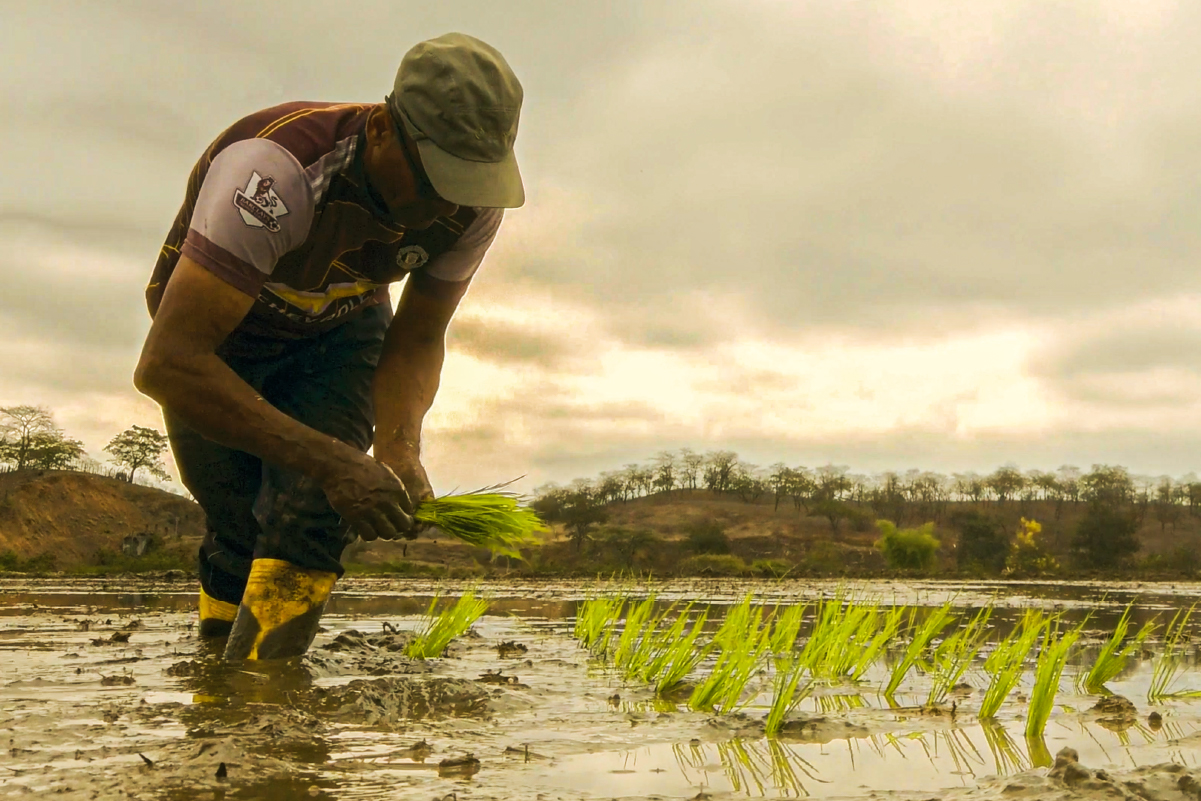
(179, 368)
(408, 374)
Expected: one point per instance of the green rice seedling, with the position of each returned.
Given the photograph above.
(786, 626)
(955, 654)
(597, 620)
(1051, 661)
(637, 617)
(923, 635)
(787, 693)
(885, 634)
(722, 688)
(489, 517)
(440, 629)
(680, 659)
(1112, 659)
(1005, 664)
(1169, 665)
(736, 622)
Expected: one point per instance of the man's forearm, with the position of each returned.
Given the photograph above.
(214, 400)
(406, 382)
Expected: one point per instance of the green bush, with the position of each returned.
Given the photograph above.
(983, 541)
(1104, 537)
(908, 548)
(708, 564)
(707, 537)
(42, 563)
(771, 568)
(824, 557)
(623, 547)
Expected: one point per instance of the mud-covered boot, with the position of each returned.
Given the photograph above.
(216, 617)
(280, 611)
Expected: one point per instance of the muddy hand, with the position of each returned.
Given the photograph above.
(370, 497)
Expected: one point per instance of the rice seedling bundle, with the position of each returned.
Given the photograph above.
(736, 623)
(787, 693)
(923, 635)
(440, 629)
(1115, 653)
(1005, 664)
(1051, 661)
(490, 517)
(1168, 665)
(955, 655)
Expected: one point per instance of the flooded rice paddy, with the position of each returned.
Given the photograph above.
(106, 692)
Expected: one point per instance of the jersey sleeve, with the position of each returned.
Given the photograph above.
(461, 261)
(254, 206)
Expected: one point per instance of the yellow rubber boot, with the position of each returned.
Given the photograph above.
(280, 611)
(216, 617)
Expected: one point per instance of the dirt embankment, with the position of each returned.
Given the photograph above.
(73, 516)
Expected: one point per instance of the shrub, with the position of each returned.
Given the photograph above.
(824, 557)
(707, 537)
(708, 564)
(983, 541)
(908, 548)
(42, 563)
(1027, 556)
(771, 568)
(1104, 536)
(623, 547)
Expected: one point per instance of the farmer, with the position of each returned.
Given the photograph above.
(274, 350)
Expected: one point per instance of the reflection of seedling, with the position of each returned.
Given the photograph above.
(1005, 752)
(439, 630)
(1005, 664)
(923, 635)
(1111, 661)
(1169, 665)
(1051, 661)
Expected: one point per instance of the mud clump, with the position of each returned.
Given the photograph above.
(353, 653)
(1068, 780)
(392, 702)
(1115, 713)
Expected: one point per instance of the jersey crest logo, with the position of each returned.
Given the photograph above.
(411, 257)
(258, 204)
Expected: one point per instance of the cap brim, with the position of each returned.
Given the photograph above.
(472, 183)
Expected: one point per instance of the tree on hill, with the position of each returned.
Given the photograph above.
(137, 448)
(29, 439)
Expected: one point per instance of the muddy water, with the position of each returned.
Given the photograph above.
(106, 692)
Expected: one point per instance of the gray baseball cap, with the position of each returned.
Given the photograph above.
(459, 100)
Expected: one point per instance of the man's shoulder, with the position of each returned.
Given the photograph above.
(309, 130)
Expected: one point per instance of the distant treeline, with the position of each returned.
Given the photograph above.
(831, 490)
(1113, 503)
(31, 440)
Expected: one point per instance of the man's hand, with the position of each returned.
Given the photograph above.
(372, 499)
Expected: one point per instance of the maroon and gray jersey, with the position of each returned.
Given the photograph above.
(278, 207)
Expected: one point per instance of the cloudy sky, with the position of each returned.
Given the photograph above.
(887, 234)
